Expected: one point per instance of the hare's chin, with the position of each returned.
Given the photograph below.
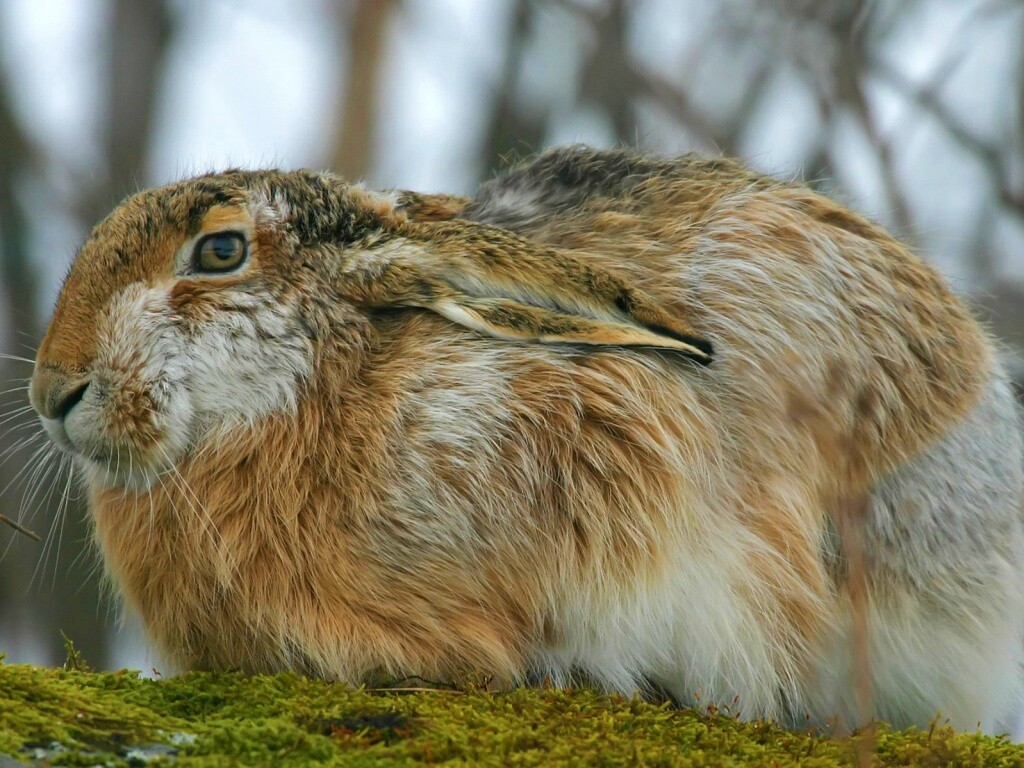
(110, 465)
(54, 429)
(113, 469)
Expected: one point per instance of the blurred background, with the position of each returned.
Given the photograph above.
(911, 111)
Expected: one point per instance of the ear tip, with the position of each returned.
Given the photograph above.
(706, 349)
(703, 351)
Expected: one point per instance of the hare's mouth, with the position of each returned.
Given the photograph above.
(114, 446)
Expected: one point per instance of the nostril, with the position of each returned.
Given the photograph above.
(69, 400)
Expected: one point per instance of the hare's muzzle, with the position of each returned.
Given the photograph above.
(54, 394)
(110, 423)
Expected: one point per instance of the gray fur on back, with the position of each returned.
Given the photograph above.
(562, 180)
(959, 505)
(558, 181)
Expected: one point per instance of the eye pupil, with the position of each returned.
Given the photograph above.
(224, 250)
(220, 252)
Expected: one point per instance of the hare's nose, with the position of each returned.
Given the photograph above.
(54, 394)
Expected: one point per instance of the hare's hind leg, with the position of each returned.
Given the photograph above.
(945, 543)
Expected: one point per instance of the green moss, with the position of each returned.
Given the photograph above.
(231, 719)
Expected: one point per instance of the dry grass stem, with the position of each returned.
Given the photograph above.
(836, 437)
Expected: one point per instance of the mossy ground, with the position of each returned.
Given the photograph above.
(230, 719)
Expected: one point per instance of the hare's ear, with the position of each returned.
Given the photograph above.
(501, 285)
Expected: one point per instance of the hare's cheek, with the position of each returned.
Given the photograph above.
(247, 364)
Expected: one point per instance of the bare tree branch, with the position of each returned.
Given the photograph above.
(353, 150)
(989, 157)
(642, 83)
(635, 82)
(607, 73)
(840, 89)
(511, 129)
(676, 103)
(141, 31)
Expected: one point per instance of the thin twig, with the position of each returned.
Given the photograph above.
(20, 528)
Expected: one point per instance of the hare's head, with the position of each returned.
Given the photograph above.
(208, 304)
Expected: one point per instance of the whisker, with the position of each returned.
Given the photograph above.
(209, 527)
(131, 468)
(14, 429)
(152, 518)
(10, 433)
(62, 515)
(40, 568)
(29, 503)
(35, 454)
(46, 544)
(31, 346)
(58, 513)
(16, 358)
(34, 480)
(22, 388)
(117, 468)
(18, 444)
(37, 478)
(94, 573)
(48, 478)
(94, 570)
(179, 483)
(15, 413)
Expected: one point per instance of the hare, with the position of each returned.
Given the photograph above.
(608, 420)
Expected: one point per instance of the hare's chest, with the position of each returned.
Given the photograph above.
(186, 581)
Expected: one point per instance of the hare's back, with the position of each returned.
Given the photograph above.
(814, 312)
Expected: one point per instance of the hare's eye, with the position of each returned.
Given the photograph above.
(220, 252)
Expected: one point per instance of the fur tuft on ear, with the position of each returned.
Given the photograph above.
(503, 285)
